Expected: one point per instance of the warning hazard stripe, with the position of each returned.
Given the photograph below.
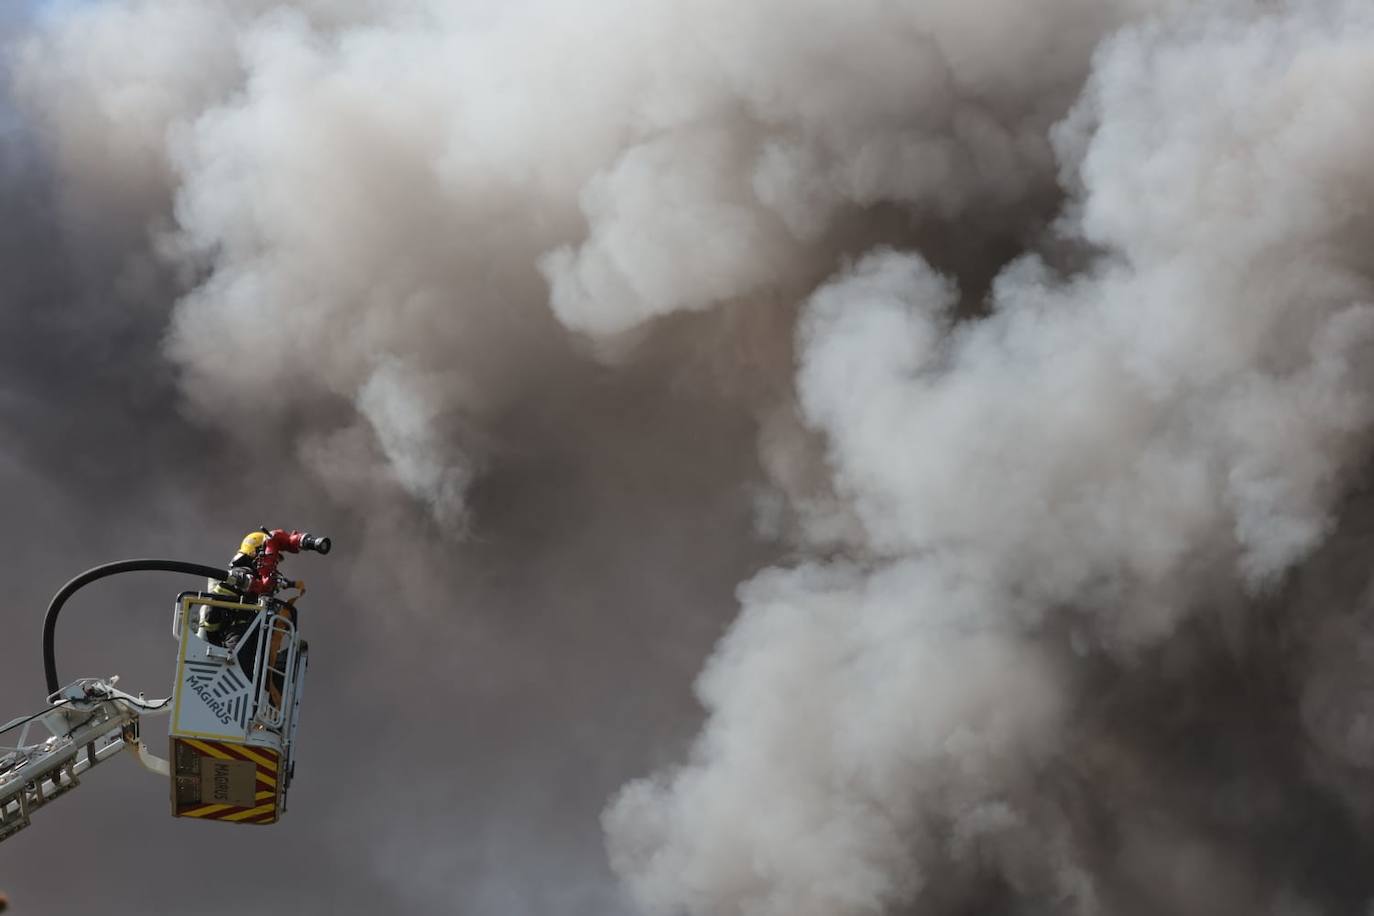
(265, 763)
(248, 813)
(263, 814)
(235, 752)
(210, 749)
(257, 757)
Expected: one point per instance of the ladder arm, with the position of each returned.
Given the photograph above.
(88, 723)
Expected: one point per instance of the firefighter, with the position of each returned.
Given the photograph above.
(252, 576)
(254, 579)
(253, 571)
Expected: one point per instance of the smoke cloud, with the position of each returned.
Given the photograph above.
(1009, 363)
(1116, 447)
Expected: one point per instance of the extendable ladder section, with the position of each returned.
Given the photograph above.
(33, 776)
(88, 723)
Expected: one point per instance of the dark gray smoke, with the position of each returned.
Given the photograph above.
(1000, 370)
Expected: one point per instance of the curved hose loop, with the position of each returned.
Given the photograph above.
(95, 574)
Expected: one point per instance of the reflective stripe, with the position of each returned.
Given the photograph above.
(207, 748)
(251, 812)
(256, 757)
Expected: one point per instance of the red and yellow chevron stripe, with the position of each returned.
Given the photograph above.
(219, 781)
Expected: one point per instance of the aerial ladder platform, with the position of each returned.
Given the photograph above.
(233, 710)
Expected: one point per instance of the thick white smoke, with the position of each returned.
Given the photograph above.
(1186, 408)
(1072, 302)
(395, 182)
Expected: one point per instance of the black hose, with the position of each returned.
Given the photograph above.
(101, 572)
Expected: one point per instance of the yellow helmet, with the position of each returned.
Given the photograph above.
(252, 543)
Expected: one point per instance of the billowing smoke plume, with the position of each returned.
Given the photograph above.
(379, 205)
(1115, 448)
(1047, 327)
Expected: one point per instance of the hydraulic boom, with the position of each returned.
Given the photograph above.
(89, 722)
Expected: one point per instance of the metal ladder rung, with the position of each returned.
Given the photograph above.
(45, 773)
